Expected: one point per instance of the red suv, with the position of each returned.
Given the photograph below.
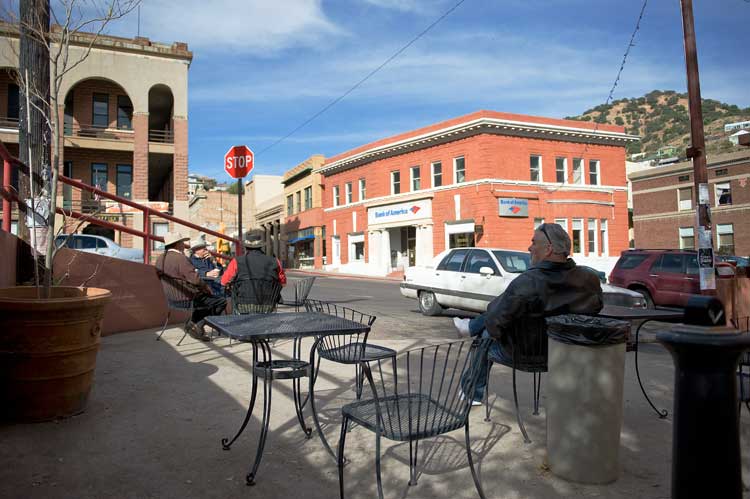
(664, 277)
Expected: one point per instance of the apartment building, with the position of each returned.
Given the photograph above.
(664, 204)
(484, 179)
(125, 127)
(305, 232)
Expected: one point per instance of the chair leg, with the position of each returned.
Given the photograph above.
(377, 464)
(487, 393)
(518, 412)
(471, 462)
(166, 321)
(340, 458)
(413, 461)
(537, 391)
(185, 333)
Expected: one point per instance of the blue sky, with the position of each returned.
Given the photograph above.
(262, 67)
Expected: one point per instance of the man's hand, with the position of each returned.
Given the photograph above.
(213, 273)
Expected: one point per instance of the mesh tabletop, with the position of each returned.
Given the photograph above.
(283, 325)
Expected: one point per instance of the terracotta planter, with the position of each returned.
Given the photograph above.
(48, 350)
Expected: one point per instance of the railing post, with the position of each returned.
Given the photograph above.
(6, 202)
(147, 236)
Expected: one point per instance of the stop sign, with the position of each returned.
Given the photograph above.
(238, 161)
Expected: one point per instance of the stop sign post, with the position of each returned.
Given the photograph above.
(238, 162)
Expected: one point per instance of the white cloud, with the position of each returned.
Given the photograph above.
(402, 5)
(258, 27)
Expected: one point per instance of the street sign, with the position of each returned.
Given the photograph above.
(238, 161)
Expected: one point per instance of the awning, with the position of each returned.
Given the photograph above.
(303, 238)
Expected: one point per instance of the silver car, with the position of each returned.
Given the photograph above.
(99, 245)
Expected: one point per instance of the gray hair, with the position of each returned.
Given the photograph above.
(558, 238)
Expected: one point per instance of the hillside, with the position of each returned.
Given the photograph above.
(660, 118)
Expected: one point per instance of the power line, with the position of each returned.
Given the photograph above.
(360, 82)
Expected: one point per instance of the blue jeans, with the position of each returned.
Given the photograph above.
(476, 328)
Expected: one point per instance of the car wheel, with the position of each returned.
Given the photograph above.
(428, 304)
(646, 297)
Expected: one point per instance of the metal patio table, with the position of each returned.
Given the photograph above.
(260, 329)
(645, 315)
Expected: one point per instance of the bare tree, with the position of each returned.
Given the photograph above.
(75, 23)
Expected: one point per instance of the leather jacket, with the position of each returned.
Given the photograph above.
(545, 289)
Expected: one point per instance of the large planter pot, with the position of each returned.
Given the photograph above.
(48, 350)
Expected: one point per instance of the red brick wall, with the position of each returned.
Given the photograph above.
(140, 157)
(83, 100)
(180, 162)
(493, 156)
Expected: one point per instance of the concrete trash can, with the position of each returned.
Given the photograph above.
(584, 397)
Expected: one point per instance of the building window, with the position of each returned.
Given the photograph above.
(538, 222)
(357, 247)
(604, 239)
(687, 238)
(723, 193)
(562, 222)
(100, 116)
(535, 168)
(685, 198)
(594, 172)
(459, 169)
(348, 193)
(592, 235)
(437, 173)
(561, 170)
(336, 199)
(124, 112)
(13, 102)
(362, 189)
(159, 229)
(99, 175)
(395, 182)
(577, 236)
(298, 195)
(725, 239)
(308, 198)
(416, 182)
(290, 205)
(577, 170)
(125, 181)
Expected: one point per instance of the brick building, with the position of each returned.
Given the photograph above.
(664, 204)
(305, 232)
(484, 179)
(125, 122)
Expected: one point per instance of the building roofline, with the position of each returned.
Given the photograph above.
(491, 122)
(716, 161)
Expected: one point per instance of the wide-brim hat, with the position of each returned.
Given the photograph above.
(171, 238)
(254, 243)
(197, 244)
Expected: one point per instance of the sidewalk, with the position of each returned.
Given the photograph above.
(158, 412)
(329, 273)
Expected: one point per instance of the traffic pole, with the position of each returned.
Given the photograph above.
(241, 245)
(697, 152)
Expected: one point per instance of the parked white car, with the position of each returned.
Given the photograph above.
(470, 278)
(99, 245)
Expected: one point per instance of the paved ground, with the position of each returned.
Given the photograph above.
(158, 412)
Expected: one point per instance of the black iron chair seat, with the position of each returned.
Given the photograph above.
(355, 352)
(296, 294)
(281, 369)
(180, 296)
(406, 417)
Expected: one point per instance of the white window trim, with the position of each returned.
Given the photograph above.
(596, 235)
(348, 193)
(565, 169)
(679, 201)
(362, 183)
(336, 194)
(598, 171)
(393, 183)
(536, 225)
(686, 232)
(351, 240)
(432, 173)
(412, 178)
(604, 243)
(457, 229)
(582, 238)
(455, 169)
(581, 180)
(562, 222)
(716, 192)
(541, 176)
(723, 230)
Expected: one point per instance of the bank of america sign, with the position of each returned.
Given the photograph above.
(513, 207)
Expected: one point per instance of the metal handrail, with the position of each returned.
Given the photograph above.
(162, 136)
(8, 122)
(9, 196)
(91, 131)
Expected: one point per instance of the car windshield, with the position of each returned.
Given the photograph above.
(514, 262)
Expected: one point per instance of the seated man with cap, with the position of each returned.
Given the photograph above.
(176, 265)
(254, 264)
(207, 268)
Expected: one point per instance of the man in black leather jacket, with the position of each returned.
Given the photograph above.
(553, 285)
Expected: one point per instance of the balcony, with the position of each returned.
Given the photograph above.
(78, 134)
(9, 129)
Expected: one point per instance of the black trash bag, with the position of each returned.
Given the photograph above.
(586, 330)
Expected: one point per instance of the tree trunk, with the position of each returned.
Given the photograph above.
(34, 133)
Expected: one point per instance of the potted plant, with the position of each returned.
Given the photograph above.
(49, 334)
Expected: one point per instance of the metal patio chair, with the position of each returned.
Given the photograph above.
(525, 350)
(295, 295)
(180, 296)
(416, 395)
(255, 296)
(343, 349)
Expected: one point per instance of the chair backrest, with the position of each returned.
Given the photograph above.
(419, 392)
(347, 347)
(178, 292)
(525, 342)
(255, 296)
(297, 294)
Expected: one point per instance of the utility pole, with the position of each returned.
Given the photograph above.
(697, 152)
